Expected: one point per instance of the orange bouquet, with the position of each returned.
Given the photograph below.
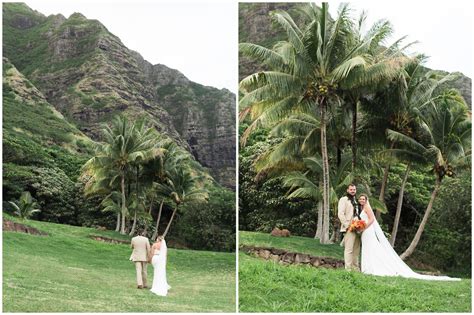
(357, 226)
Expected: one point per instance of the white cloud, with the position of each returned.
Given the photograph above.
(444, 30)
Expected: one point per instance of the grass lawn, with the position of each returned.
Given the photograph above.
(68, 272)
(265, 286)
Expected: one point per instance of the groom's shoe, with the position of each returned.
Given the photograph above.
(145, 287)
(140, 287)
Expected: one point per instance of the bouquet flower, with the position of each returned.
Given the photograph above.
(357, 226)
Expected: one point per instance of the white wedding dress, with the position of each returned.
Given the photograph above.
(160, 284)
(380, 259)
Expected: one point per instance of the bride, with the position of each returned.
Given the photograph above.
(159, 252)
(378, 256)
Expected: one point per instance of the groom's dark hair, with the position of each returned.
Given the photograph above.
(141, 232)
(351, 184)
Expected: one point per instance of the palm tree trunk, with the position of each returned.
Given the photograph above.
(319, 227)
(384, 185)
(354, 128)
(171, 220)
(399, 207)
(417, 237)
(124, 209)
(382, 190)
(335, 230)
(132, 231)
(155, 234)
(338, 156)
(324, 155)
(117, 227)
(149, 213)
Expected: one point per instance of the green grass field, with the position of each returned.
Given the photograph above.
(265, 286)
(68, 272)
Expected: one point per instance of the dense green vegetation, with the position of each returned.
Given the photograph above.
(67, 271)
(329, 105)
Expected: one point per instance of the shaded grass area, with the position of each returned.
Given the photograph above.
(68, 272)
(265, 286)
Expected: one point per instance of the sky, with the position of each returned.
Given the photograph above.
(200, 38)
(444, 29)
(197, 39)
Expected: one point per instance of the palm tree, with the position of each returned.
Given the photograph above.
(126, 143)
(306, 72)
(111, 203)
(181, 186)
(413, 90)
(158, 168)
(383, 64)
(26, 206)
(445, 143)
(301, 138)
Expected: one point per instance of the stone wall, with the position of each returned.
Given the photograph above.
(284, 257)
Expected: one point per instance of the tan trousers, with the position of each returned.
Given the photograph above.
(141, 268)
(351, 251)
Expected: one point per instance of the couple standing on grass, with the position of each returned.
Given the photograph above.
(361, 229)
(142, 254)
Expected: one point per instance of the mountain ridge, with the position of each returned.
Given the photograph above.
(89, 75)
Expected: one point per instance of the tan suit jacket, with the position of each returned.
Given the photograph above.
(345, 212)
(141, 247)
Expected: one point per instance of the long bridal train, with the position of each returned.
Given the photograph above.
(380, 259)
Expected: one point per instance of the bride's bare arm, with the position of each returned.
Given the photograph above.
(370, 214)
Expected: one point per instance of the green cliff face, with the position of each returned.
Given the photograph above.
(89, 76)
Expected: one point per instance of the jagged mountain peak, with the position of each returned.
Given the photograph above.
(77, 15)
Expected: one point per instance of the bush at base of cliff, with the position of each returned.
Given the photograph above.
(209, 226)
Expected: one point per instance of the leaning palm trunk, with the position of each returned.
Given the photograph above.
(171, 220)
(117, 226)
(324, 156)
(417, 237)
(122, 184)
(134, 225)
(399, 207)
(155, 234)
(319, 227)
(382, 190)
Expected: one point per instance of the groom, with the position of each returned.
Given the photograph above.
(141, 247)
(347, 210)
